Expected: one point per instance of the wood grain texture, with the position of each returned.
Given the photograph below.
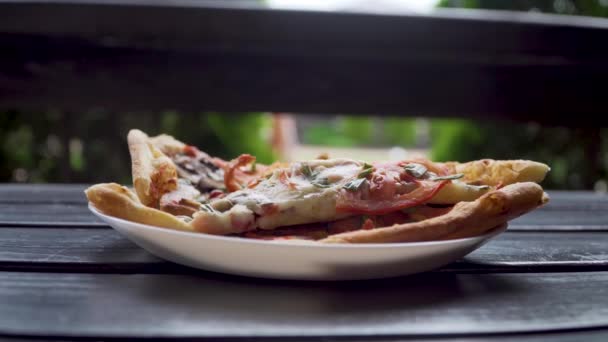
(42, 193)
(65, 55)
(546, 219)
(104, 250)
(69, 245)
(212, 305)
(595, 335)
(47, 215)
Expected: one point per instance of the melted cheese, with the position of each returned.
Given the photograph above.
(293, 196)
(306, 192)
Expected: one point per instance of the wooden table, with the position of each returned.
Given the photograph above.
(64, 275)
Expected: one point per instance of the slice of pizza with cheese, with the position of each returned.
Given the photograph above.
(333, 189)
(327, 200)
(176, 178)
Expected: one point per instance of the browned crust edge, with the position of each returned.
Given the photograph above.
(118, 201)
(154, 174)
(465, 219)
(499, 172)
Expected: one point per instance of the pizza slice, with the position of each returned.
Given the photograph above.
(333, 189)
(175, 177)
(327, 200)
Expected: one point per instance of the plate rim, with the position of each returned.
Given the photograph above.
(301, 243)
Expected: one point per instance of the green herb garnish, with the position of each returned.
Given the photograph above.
(367, 170)
(306, 170)
(320, 182)
(415, 170)
(448, 177)
(207, 207)
(253, 167)
(354, 184)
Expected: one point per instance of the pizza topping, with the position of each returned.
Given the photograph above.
(182, 200)
(393, 186)
(199, 169)
(232, 182)
(354, 184)
(367, 170)
(368, 224)
(448, 177)
(327, 190)
(317, 178)
(306, 170)
(321, 230)
(207, 208)
(243, 172)
(216, 194)
(415, 170)
(191, 151)
(284, 178)
(184, 218)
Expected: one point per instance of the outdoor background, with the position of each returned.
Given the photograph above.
(91, 147)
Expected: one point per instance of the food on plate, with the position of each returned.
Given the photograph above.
(327, 200)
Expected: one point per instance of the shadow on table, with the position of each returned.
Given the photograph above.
(271, 299)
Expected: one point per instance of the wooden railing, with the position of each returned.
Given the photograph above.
(210, 55)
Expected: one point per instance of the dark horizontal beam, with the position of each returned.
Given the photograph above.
(193, 56)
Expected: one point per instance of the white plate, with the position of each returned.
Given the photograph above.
(295, 259)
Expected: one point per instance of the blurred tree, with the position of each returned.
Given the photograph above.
(91, 147)
(595, 8)
(349, 131)
(575, 155)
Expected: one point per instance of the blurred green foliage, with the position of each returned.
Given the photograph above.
(346, 131)
(92, 147)
(575, 155)
(595, 8)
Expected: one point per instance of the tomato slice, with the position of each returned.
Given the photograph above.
(391, 188)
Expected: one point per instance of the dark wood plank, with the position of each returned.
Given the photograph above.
(72, 247)
(211, 305)
(104, 250)
(42, 193)
(90, 54)
(515, 251)
(570, 336)
(47, 215)
(543, 219)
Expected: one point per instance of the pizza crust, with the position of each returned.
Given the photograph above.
(154, 174)
(478, 205)
(118, 201)
(499, 172)
(465, 219)
(487, 172)
(167, 144)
